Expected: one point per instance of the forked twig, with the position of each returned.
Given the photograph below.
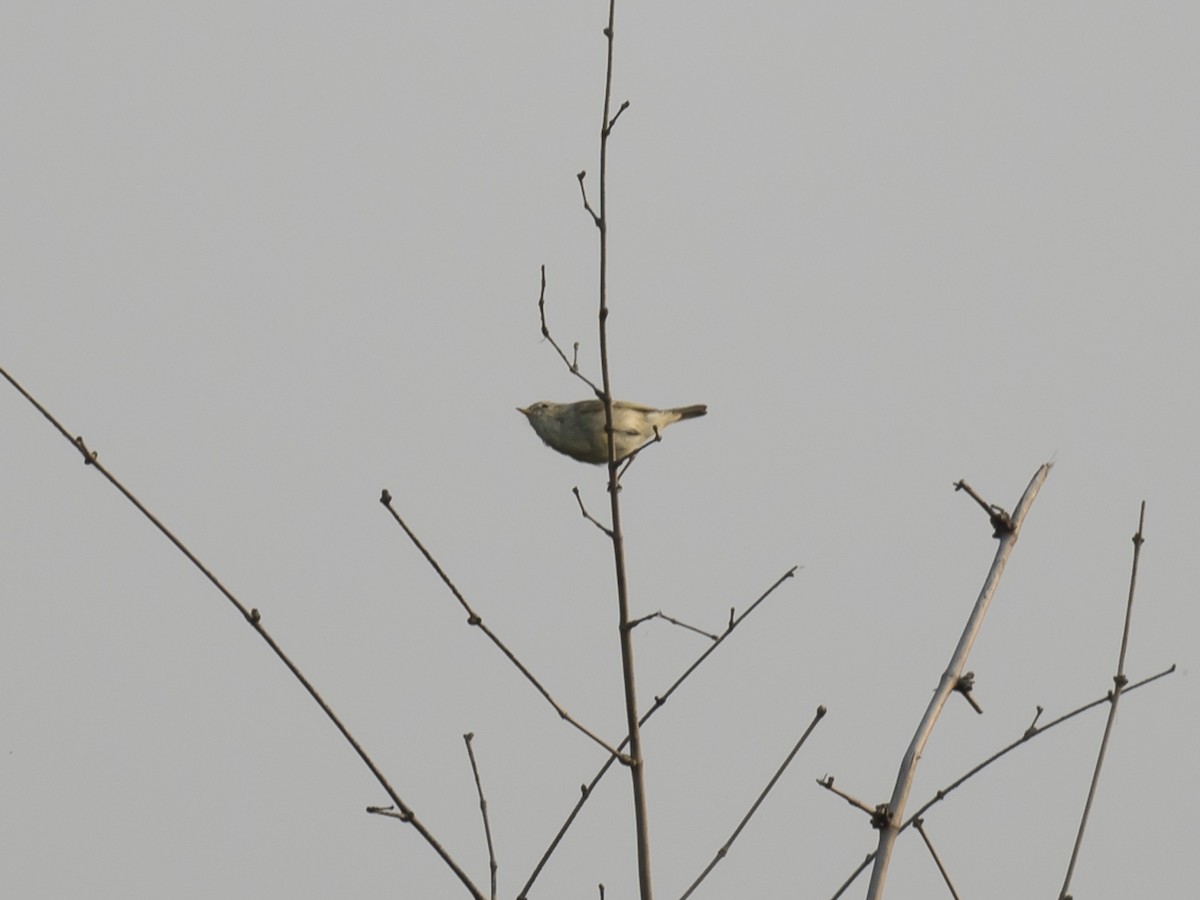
(684, 625)
(254, 618)
(473, 618)
(483, 811)
(587, 515)
(724, 851)
(586, 790)
(571, 364)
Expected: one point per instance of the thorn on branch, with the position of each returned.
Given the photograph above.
(1033, 726)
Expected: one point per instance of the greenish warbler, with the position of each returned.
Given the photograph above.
(577, 429)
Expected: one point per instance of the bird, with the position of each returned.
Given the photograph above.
(577, 429)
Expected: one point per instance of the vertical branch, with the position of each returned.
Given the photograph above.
(636, 764)
(892, 815)
(1119, 682)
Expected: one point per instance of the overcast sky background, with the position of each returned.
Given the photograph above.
(271, 258)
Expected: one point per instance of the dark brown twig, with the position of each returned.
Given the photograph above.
(919, 824)
(724, 851)
(473, 618)
(587, 515)
(1119, 683)
(571, 364)
(659, 702)
(583, 193)
(862, 867)
(254, 618)
(483, 811)
(684, 625)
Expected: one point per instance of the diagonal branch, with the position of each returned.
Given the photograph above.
(919, 824)
(1007, 529)
(1119, 682)
(473, 618)
(724, 851)
(254, 618)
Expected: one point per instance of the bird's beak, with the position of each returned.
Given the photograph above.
(523, 412)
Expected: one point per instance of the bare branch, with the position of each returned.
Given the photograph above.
(586, 790)
(473, 618)
(254, 618)
(827, 783)
(573, 363)
(587, 515)
(1119, 682)
(723, 852)
(919, 824)
(862, 867)
(1007, 529)
(487, 828)
(586, 205)
(659, 615)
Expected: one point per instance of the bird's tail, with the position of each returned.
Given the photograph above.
(690, 412)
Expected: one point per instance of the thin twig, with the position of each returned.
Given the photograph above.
(587, 515)
(254, 618)
(1008, 532)
(487, 828)
(827, 783)
(571, 364)
(583, 193)
(1119, 683)
(919, 824)
(862, 867)
(660, 615)
(724, 851)
(586, 790)
(473, 618)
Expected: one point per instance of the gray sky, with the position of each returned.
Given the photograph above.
(269, 259)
